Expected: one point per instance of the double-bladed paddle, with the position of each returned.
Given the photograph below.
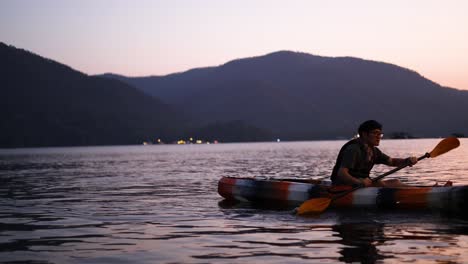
(318, 205)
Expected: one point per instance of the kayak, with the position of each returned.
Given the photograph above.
(293, 192)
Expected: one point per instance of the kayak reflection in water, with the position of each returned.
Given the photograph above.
(360, 242)
(357, 157)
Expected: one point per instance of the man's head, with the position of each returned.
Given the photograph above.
(368, 126)
(370, 132)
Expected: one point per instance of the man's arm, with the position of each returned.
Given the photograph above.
(344, 177)
(396, 162)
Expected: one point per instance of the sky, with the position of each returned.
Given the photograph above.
(158, 37)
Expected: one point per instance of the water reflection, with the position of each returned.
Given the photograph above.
(360, 241)
(370, 237)
(357, 236)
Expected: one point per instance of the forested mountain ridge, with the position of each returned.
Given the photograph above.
(45, 103)
(301, 96)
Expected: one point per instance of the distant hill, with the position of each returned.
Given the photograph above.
(302, 96)
(45, 103)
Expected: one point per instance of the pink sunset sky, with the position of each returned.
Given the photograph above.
(144, 37)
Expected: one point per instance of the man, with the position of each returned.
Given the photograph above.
(358, 156)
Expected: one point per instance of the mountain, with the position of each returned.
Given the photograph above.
(45, 103)
(301, 96)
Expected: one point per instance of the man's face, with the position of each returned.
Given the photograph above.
(373, 137)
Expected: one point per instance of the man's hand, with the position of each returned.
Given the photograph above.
(366, 182)
(411, 161)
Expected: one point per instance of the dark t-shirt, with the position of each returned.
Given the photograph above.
(359, 160)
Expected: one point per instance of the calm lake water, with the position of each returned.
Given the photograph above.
(159, 204)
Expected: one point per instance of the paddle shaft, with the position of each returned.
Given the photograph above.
(338, 196)
(427, 155)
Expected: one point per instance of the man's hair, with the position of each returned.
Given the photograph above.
(369, 125)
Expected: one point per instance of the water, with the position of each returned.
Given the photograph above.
(159, 204)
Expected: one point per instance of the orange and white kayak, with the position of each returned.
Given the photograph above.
(293, 192)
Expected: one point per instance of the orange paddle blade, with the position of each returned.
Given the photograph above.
(314, 206)
(445, 146)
